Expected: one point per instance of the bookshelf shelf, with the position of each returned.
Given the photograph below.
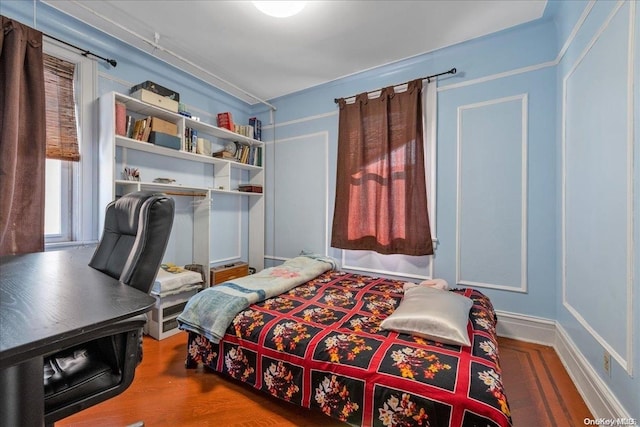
(198, 176)
(122, 141)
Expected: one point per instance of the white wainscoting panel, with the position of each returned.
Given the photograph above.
(301, 194)
(491, 220)
(597, 186)
(226, 228)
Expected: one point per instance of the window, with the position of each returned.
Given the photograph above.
(70, 199)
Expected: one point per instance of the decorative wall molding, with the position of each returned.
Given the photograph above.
(302, 120)
(626, 360)
(530, 68)
(237, 256)
(523, 98)
(324, 136)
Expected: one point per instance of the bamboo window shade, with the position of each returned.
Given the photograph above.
(62, 133)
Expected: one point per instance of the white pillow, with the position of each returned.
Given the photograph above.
(433, 314)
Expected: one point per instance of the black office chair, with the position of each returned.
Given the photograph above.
(136, 231)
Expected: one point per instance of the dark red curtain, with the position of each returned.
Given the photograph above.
(22, 139)
(381, 197)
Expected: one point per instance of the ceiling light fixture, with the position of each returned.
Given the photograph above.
(280, 9)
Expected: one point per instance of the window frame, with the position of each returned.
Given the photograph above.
(79, 178)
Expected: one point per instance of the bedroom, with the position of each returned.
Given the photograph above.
(566, 274)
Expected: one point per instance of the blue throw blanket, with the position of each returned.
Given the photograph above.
(210, 312)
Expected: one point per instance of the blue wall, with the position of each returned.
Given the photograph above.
(536, 196)
(598, 177)
(504, 84)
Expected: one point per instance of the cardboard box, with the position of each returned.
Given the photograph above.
(165, 140)
(155, 99)
(159, 125)
(156, 88)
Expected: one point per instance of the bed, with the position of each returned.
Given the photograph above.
(320, 345)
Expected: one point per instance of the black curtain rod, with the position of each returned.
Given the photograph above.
(451, 71)
(85, 52)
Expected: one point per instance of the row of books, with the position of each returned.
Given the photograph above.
(252, 130)
(140, 128)
(244, 130)
(249, 154)
(190, 140)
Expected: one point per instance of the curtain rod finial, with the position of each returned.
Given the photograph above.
(113, 62)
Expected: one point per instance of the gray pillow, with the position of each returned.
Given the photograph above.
(431, 313)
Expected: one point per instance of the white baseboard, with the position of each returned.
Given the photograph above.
(526, 328)
(596, 394)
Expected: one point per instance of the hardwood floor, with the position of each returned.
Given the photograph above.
(538, 388)
(164, 393)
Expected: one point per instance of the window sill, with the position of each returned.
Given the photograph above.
(58, 246)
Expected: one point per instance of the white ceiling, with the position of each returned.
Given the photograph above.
(233, 46)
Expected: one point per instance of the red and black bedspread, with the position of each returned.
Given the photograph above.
(320, 346)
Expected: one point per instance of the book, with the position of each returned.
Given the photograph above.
(203, 147)
(187, 139)
(256, 124)
(225, 120)
(194, 141)
(223, 155)
(249, 188)
(129, 128)
(121, 119)
(147, 130)
(136, 128)
(245, 155)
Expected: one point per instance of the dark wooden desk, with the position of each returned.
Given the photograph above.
(48, 300)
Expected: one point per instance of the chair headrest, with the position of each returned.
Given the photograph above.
(136, 232)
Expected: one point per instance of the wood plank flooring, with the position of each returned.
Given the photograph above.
(164, 393)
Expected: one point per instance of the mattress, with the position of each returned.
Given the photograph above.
(173, 280)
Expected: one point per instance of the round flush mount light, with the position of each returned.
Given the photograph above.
(280, 9)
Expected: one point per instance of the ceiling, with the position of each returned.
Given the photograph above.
(254, 57)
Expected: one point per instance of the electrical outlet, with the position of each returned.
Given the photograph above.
(607, 363)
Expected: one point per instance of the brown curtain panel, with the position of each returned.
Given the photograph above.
(381, 196)
(22, 139)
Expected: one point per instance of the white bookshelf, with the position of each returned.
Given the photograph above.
(201, 177)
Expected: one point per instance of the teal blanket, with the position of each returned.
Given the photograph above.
(210, 312)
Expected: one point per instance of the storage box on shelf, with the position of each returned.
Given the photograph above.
(157, 89)
(228, 272)
(226, 173)
(155, 99)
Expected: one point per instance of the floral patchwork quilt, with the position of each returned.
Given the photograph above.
(320, 345)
